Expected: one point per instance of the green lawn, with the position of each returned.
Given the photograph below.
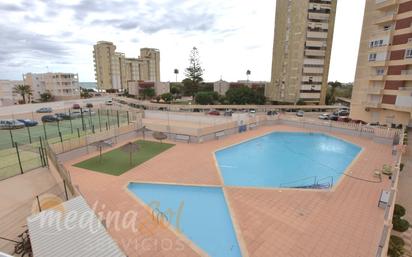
(116, 162)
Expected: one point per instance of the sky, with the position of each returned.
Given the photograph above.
(232, 36)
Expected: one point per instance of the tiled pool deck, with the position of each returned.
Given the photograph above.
(270, 222)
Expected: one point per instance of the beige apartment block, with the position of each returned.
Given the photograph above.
(383, 84)
(7, 94)
(150, 64)
(301, 50)
(62, 86)
(221, 86)
(136, 88)
(113, 70)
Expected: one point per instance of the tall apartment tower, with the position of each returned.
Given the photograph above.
(383, 84)
(301, 50)
(113, 70)
(150, 64)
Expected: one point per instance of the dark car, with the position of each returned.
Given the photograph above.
(216, 113)
(272, 113)
(29, 123)
(50, 118)
(64, 116)
(359, 122)
(89, 105)
(76, 106)
(344, 119)
(333, 117)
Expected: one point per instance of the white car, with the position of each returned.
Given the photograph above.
(324, 116)
(11, 124)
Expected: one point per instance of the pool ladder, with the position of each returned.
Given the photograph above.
(159, 214)
(322, 183)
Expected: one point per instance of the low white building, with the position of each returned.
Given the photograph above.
(62, 86)
(221, 86)
(7, 94)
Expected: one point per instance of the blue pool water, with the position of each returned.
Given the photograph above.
(200, 213)
(283, 159)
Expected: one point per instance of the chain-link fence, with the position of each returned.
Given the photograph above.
(22, 149)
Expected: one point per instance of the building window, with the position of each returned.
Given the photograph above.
(372, 57)
(408, 53)
(380, 71)
(376, 43)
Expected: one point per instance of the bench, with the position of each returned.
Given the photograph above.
(182, 138)
(384, 199)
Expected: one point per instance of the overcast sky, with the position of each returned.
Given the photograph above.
(231, 35)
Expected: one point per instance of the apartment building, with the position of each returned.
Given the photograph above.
(383, 83)
(301, 50)
(136, 87)
(62, 86)
(113, 70)
(221, 86)
(7, 94)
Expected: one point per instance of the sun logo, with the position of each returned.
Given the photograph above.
(47, 202)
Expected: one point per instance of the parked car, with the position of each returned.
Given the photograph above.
(228, 113)
(28, 122)
(44, 110)
(89, 105)
(344, 119)
(216, 113)
(272, 113)
(341, 113)
(359, 122)
(333, 117)
(109, 102)
(300, 113)
(75, 114)
(65, 116)
(324, 116)
(50, 118)
(252, 111)
(76, 106)
(87, 112)
(11, 124)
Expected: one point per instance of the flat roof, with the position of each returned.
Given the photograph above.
(70, 229)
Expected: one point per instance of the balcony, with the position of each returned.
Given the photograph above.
(387, 18)
(309, 95)
(375, 91)
(310, 43)
(372, 104)
(315, 34)
(320, 53)
(405, 75)
(385, 4)
(311, 87)
(311, 70)
(318, 16)
(375, 76)
(315, 79)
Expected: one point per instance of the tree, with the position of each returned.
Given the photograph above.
(193, 73)
(148, 92)
(176, 71)
(248, 72)
(22, 90)
(206, 97)
(46, 96)
(130, 148)
(167, 97)
(175, 90)
(331, 92)
(244, 95)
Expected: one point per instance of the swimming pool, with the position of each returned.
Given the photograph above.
(200, 213)
(286, 159)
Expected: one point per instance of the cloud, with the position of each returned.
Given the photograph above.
(20, 43)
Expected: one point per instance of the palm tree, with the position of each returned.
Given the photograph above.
(22, 90)
(176, 71)
(248, 72)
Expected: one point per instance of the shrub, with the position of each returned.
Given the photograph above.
(399, 210)
(399, 224)
(396, 246)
